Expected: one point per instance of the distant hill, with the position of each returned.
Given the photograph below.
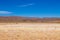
(16, 19)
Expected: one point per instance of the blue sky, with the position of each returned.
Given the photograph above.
(30, 8)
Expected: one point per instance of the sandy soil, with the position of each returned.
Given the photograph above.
(30, 31)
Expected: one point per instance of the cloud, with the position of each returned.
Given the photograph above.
(5, 12)
(26, 5)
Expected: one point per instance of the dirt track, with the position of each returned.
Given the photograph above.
(30, 31)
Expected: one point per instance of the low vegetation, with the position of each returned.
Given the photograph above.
(29, 32)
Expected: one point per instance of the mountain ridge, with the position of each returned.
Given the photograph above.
(8, 19)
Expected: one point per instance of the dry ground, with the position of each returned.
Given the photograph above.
(30, 31)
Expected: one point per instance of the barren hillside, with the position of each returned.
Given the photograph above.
(28, 19)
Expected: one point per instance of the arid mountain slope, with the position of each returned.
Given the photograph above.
(28, 19)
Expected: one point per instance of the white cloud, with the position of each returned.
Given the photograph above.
(5, 12)
(26, 5)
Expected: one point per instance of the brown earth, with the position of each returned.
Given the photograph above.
(17, 19)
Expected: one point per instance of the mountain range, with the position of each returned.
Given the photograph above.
(19, 19)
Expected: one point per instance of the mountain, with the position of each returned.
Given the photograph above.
(16, 19)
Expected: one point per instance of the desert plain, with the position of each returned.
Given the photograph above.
(29, 31)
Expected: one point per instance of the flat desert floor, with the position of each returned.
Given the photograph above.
(29, 31)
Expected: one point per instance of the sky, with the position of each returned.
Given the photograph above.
(30, 8)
